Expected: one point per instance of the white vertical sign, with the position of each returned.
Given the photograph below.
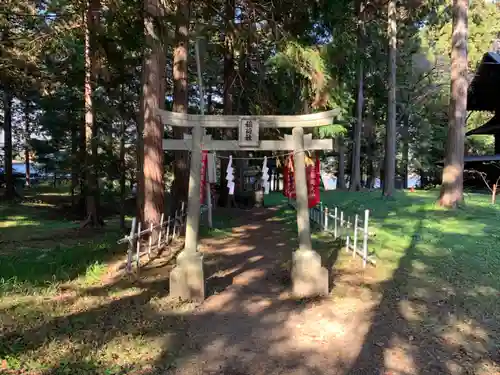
(248, 131)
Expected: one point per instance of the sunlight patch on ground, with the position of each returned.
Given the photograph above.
(13, 222)
(412, 311)
(38, 204)
(398, 356)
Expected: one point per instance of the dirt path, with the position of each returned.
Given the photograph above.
(253, 326)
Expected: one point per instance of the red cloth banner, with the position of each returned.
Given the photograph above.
(288, 179)
(313, 182)
(203, 182)
(286, 182)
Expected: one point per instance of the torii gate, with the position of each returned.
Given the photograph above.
(309, 278)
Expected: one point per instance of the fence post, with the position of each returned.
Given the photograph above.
(325, 220)
(355, 235)
(365, 238)
(183, 209)
(150, 240)
(347, 243)
(175, 226)
(167, 236)
(138, 251)
(341, 223)
(131, 245)
(321, 217)
(335, 222)
(348, 226)
(161, 231)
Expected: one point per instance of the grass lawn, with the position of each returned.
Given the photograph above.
(60, 309)
(438, 271)
(459, 247)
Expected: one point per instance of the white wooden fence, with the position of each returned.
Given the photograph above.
(168, 231)
(355, 233)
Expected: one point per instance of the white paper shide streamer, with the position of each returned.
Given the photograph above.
(229, 176)
(265, 176)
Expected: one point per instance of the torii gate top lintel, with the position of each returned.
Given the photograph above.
(248, 131)
(232, 121)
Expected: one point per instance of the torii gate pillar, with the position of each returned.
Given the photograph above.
(187, 280)
(309, 278)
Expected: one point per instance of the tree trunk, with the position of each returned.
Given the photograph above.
(306, 108)
(10, 192)
(229, 74)
(356, 152)
(153, 97)
(82, 149)
(370, 169)
(27, 136)
(423, 178)
(452, 180)
(406, 162)
(139, 200)
(244, 68)
(390, 137)
(74, 164)
(355, 160)
(180, 74)
(341, 174)
(122, 160)
(90, 131)
(377, 172)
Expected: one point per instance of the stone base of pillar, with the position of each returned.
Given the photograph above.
(187, 280)
(309, 278)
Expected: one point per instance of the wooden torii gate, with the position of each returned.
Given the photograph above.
(309, 278)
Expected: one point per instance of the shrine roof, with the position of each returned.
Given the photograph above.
(484, 90)
(476, 159)
(481, 158)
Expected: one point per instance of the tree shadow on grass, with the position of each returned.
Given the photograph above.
(439, 309)
(53, 262)
(77, 336)
(39, 246)
(431, 319)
